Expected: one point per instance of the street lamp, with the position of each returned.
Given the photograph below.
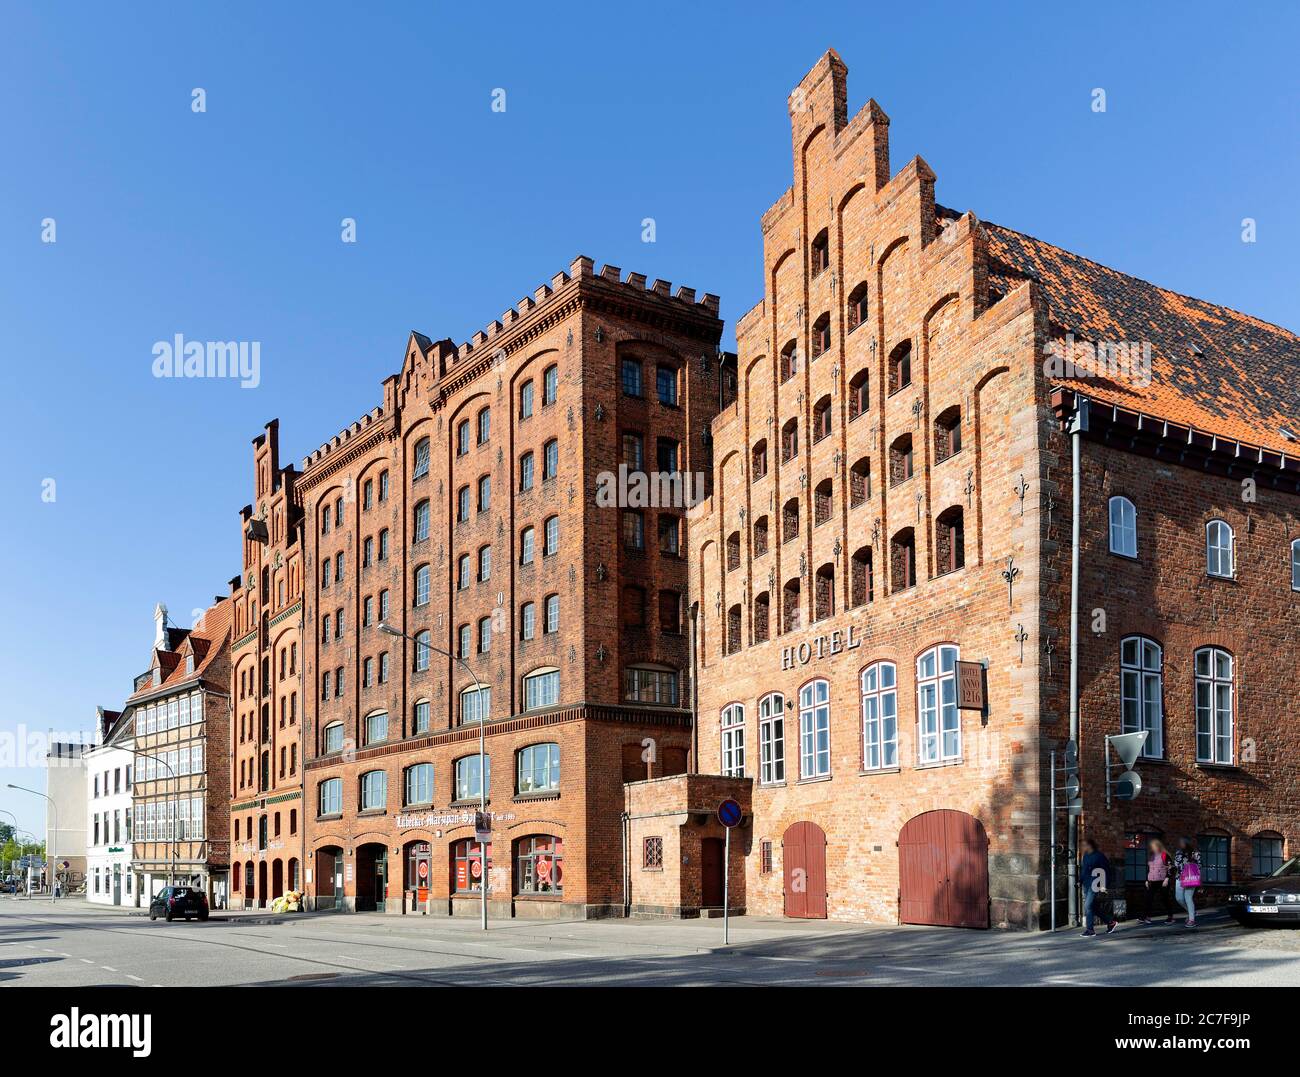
(385, 627)
(49, 853)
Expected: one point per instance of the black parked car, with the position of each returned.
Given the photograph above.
(1271, 900)
(173, 901)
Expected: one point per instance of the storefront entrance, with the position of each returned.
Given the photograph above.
(419, 868)
(372, 877)
(117, 884)
(943, 870)
(329, 877)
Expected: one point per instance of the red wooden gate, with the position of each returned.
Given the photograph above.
(803, 861)
(943, 870)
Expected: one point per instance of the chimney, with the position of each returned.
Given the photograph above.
(160, 641)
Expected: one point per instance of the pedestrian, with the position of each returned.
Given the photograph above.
(1187, 875)
(1159, 881)
(1094, 877)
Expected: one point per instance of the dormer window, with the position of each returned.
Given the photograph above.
(189, 664)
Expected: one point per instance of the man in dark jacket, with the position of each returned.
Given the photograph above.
(1094, 877)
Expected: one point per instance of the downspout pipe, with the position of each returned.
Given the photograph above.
(1077, 424)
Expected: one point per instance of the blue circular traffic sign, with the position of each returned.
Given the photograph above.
(729, 813)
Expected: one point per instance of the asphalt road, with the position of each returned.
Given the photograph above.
(74, 944)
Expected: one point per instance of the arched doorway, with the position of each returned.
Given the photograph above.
(372, 877)
(295, 883)
(943, 870)
(261, 884)
(419, 874)
(803, 861)
(329, 877)
(248, 885)
(277, 879)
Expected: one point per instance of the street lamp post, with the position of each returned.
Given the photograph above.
(49, 853)
(385, 627)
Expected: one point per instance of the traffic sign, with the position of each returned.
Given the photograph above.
(729, 813)
(482, 826)
(1128, 785)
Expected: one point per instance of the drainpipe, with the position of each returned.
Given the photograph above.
(1078, 423)
(695, 689)
(627, 867)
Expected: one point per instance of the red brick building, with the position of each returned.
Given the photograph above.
(267, 831)
(478, 510)
(892, 500)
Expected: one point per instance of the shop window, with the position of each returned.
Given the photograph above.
(467, 865)
(539, 865)
(1216, 858)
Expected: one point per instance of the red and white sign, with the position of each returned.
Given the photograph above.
(423, 870)
(544, 869)
(476, 868)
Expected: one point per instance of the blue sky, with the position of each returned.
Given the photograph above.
(226, 224)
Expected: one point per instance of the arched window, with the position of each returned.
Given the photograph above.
(762, 617)
(462, 504)
(1295, 565)
(821, 335)
(332, 738)
(859, 394)
(525, 472)
(938, 720)
(856, 311)
(417, 784)
(824, 593)
(821, 427)
(462, 437)
(790, 520)
(550, 384)
(376, 727)
(861, 581)
(538, 769)
(759, 543)
(902, 560)
(330, 793)
(792, 608)
(527, 621)
(421, 521)
(539, 865)
(1141, 664)
(947, 433)
(484, 425)
(422, 650)
(789, 440)
(1219, 554)
(734, 641)
(422, 580)
(467, 865)
(949, 540)
(900, 459)
(551, 536)
(542, 689)
(815, 729)
(758, 460)
(879, 716)
(823, 501)
(1266, 853)
(1214, 706)
(526, 400)
(900, 367)
(550, 459)
(819, 253)
(771, 738)
(789, 361)
(374, 791)
(484, 493)
(733, 740)
(860, 482)
(1123, 527)
(467, 775)
(1216, 857)
(733, 551)
(421, 466)
(475, 704)
(420, 717)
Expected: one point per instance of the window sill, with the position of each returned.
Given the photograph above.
(772, 785)
(539, 897)
(1204, 765)
(814, 780)
(367, 813)
(869, 771)
(471, 803)
(939, 763)
(524, 798)
(334, 817)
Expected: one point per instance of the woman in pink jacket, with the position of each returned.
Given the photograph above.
(1159, 869)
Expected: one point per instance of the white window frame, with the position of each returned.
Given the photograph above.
(733, 740)
(1215, 706)
(329, 798)
(419, 775)
(879, 684)
(938, 721)
(326, 737)
(1142, 692)
(481, 704)
(1295, 564)
(771, 739)
(374, 717)
(369, 794)
(542, 688)
(815, 729)
(1216, 552)
(1123, 527)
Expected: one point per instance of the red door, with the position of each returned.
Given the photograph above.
(711, 873)
(943, 870)
(803, 861)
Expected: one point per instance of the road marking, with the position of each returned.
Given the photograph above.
(108, 968)
(86, 961)
(137, 979)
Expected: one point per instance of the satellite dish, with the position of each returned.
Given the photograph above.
(1128, 746)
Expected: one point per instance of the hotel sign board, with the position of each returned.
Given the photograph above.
(970, 686)
(818, 647)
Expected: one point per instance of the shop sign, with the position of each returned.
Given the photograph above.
(826, 645)
(970, 686)
(432, 820)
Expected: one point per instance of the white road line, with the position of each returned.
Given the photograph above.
(108, 968)
(86, 961)
(137, 979)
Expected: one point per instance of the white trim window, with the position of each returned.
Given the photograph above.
(376, 727)
(1219, 551)
(733, 740)
(332, 739)
(1142, 692)
(1214, 733)
(331, 799)
(879, 716)
(467, 776)
(771, 738)
(374, 790)
(541, 689)
(422, 650)
(418, 784)
(938, 720)
(815, 729)
(476, 704)
(537, 769)
(1123, 527)
(1295, 564)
